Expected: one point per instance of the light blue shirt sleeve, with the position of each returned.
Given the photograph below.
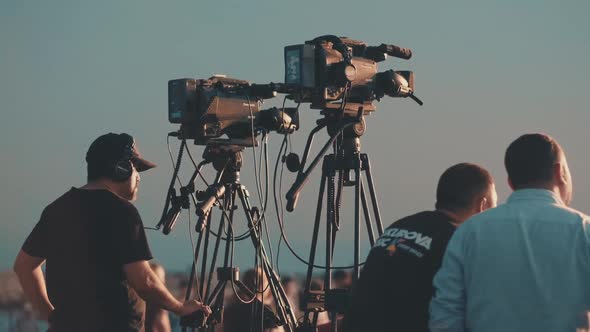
(447, 308)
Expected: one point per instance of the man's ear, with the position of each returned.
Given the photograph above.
(559, 173)
(483, 204)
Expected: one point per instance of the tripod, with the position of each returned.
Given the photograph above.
(227, 160)
(345, 138)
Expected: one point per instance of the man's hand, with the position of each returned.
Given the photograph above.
(151, 288)
(191, 306)
(194, 314)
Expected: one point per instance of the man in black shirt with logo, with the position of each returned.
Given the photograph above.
(97, 255)
(395, 286)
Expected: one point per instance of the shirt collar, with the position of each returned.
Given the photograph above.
(535, 195)
(447, 217)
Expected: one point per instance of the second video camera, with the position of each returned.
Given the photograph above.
(210, 108)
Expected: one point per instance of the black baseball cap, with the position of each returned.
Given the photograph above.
(109, 148)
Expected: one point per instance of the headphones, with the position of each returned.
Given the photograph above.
(123, 168)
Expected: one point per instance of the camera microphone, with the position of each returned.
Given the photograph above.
(171, 218)
(396, 51)
(264, 91)
(293, 162)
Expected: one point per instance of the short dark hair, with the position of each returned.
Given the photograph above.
(529, 160)
(460, 184)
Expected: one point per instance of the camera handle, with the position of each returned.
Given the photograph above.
(170, 217)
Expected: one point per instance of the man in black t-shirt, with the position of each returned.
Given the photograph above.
(95, 248)
(395, 286)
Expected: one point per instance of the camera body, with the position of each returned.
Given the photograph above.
(329, 69)
(209, 108)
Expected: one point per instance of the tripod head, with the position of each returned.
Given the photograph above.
(224, 155)
(338, 124)
(227, 161)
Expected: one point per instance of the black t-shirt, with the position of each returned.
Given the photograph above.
(87, 236)
(395, 287)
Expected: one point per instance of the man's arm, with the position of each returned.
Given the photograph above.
(146, 283)
(30, 275)
(447, 308)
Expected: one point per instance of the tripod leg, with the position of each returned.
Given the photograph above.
(218, 290)
(282, 301)
(329, 250)
(204, 262)
(332, 206)
(367, 215)
(314, 242)
(216, 298)
(283, 307)
(357, 220)
(367, 167)
(216, 303)
(229, 237)
(191, 278)
(205, 249)
(329, 171)
(228, 203)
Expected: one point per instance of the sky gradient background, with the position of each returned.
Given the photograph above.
(487, 73)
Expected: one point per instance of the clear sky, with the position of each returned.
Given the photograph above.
(487, 72)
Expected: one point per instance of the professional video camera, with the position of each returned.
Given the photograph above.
(210, 108)
(207, 109)
(339, 76)
(328, 69)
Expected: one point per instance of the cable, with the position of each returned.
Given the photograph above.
(264, 141)
(194, 259)
(258, 186)
(188, 151)
(232, 245)
(176, 166)
(263, 202)
(296, 115)
(174, 176)
(282, 217)
(282, 167)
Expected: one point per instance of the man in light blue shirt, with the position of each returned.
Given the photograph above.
(525, 265)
